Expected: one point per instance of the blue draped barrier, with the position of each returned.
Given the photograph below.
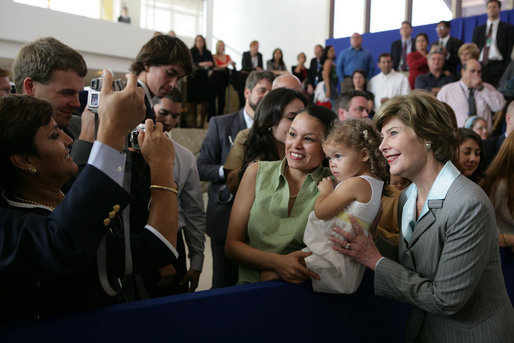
(262, 312)
(269, 311)
(379, 42)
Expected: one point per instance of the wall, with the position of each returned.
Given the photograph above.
(103, 44)
(292, 25)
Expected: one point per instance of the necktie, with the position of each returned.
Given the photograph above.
(488, 42)
(403, 66)
(318, 68)
(472, 103)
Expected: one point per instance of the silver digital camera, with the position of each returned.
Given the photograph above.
(93, 97)
(133, 136)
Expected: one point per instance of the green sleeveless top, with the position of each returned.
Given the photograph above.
(269, 226)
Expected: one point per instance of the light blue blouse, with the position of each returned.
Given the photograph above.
(438, 191)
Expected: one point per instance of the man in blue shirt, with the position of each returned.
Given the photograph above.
(355, 57)
(435, 78)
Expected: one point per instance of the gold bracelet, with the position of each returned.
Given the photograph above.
(504, 240)
(164, 188)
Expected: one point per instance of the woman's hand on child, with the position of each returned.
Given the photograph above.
(356, 245)
(291, 267)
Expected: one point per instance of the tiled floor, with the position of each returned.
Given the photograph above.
(206, 276)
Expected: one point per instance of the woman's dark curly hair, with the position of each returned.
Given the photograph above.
(361, 134)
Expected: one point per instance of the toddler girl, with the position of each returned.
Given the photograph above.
(359, 172)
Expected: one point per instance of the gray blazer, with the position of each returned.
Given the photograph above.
(450, 272)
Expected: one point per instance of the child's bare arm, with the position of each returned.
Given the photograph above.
(329, 203)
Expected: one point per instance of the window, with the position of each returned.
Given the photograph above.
(430, 11)
(478, 7)
(183, 16)
(348, 17)
(386, 15)
(89, 9)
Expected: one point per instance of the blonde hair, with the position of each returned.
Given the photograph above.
(361, 134)
(472, 48)
(218, 44)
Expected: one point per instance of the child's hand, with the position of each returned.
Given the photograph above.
(326, 186)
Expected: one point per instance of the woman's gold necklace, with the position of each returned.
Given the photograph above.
(291, 196)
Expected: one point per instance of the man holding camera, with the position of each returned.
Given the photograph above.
(48, 69)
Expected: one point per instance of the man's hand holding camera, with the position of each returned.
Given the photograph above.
(119, 112)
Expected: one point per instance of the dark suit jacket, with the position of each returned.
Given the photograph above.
(490, 147)
(313, 72)
(247, 61)
(48, 261)
(450, 271)
(504, 39)
(213, 153)
(79, 149)
(396, 53)
(453, 60)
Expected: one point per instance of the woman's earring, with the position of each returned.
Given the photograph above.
(428, 146)
(32, 170)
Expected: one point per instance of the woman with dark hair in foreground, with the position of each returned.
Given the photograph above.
(52, 268)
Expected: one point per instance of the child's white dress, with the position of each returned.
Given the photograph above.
(339, 273)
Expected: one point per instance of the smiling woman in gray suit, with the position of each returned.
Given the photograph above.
(447, 264)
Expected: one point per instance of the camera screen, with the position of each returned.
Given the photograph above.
(94, 99)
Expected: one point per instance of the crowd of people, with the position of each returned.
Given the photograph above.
(323, 172)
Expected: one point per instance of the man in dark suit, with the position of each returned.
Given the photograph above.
(402, 47)
(315, 70)
(252, 59)
(449, 46)
(492, 145)
(495, 41)
(215, 148)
